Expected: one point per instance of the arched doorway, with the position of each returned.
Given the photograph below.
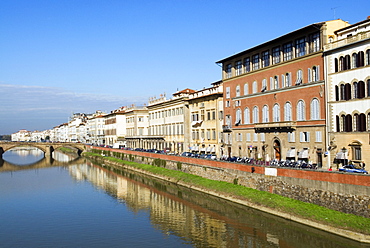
(277, 149)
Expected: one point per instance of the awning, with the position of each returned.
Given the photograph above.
(291, 153)
(196, 123)
(208, 149)
(303, 153)
(213, 149)
(203, 149)
(196, 148)
(341, 155)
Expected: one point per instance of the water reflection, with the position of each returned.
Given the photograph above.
(200, 219)
(23, 155)
(18, 159)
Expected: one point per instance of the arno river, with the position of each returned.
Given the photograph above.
(63, 202)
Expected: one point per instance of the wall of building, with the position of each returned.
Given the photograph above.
(349, 193)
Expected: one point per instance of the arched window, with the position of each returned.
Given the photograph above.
(354, 60)
(348, 123)
(336, 65)
(246, 116)
(361, 89)
(288, 111)
(246, 89)
(255, 114)
(265, 114)
(368, 87)
(342, 92)
(342, 123)
(337, 123)
(347, 62)
(300, 111)
(355, 90)
(368, 57)
(237, 91)
(315, 109)
(360, 59)
(288, 79)
(254, 87)
(336, 93)
(341, 64)
(347, 90)
(238, 118)
(276, 113)
(299, 77)
(283, 84)
(264, 85)
(276, 82)
(315, 73)
(361, 123)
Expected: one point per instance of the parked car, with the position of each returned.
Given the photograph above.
(353, 169)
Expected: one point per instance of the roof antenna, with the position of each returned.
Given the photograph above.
(333, 9)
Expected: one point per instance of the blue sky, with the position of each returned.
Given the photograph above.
(63, 56)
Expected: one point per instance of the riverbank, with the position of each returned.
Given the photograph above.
(346, 225)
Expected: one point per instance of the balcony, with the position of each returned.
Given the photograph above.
(275, 127)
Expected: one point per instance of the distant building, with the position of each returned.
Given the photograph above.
(206, 116)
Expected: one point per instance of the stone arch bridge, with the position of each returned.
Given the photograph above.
(46, 147)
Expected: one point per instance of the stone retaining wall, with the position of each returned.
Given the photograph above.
(348, 193)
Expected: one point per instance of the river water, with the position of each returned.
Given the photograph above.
(67, 202)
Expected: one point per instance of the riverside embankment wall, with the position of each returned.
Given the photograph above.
(348, 193)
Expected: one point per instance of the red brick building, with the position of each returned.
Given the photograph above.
(274, 97)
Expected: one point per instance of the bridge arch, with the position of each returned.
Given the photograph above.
(46, 147)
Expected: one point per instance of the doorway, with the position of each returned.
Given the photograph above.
(277, 150)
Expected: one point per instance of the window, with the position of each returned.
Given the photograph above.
(291, 137)
(368, 57)
(228, 71)
(264, 85)
(227, 92)
(300, 111)
(265, 59)
(255, 114)
(246, 90)
(276, 55)
(276, 113)
(255, 137)
(262, 137)
(368, 87)
(265, 114)
(254, 87)
(304, 136)
(318, 136)
(300, 47)
(359, 89)
(247, 65)
(288, 79)
(299, 77)
(354, 60)
(283, 81)
(246, 116)
(255, 62)
(315, 73)
(356, 152)
(315, 42)
(287, 51)
(276, 82)
(287, 111)
(248, 137)
(238, 68)
(237, 90)
(315, 109)
(238, 117)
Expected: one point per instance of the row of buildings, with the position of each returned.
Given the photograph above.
(304, 95)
